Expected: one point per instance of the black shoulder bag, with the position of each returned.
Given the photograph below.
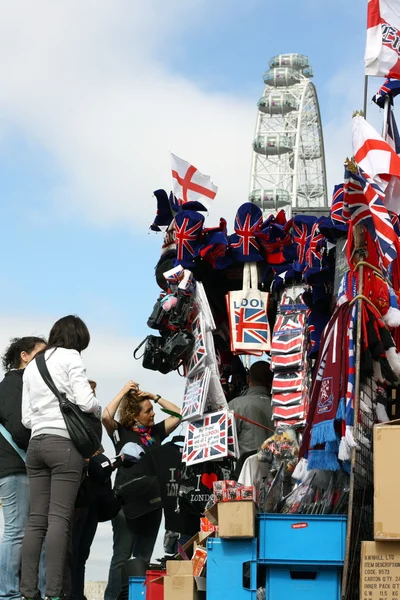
(85, 429)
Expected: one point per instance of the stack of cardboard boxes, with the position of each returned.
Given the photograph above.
(380, 560)
(232, 516)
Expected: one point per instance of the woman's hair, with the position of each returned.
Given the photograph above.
(12, 356)
(129, 409)
(69, 332)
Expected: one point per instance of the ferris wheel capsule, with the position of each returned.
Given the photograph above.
(273, 144)
(277, 103)
(282, 77)
(270, 200)
(288, 167)
(295, 61)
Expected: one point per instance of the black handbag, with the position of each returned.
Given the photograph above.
(157, 315)
(176, 348)
(85, 429)
(139, 496)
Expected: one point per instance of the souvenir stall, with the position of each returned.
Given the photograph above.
(317, 297)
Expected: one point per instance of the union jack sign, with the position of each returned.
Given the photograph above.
(207, 438)
(195, 394)
(199, 354)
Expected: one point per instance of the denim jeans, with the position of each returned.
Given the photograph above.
(137, 540)
(14, 494)
(54, 468)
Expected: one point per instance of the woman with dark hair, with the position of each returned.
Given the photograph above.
(53, 463)
(14, 439)
(135, 424)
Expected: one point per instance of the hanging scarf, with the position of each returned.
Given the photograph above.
(145, 433)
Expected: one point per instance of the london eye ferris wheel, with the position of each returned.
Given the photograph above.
(288, 166)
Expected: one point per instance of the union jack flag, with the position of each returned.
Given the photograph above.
(185, 236)
(364, 202)
(251, 325)
(207, 438)
(300, 238)
(247, 233)
(337, 205)
(390, 88)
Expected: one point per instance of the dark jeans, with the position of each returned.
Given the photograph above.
(54, 469)
(83, 532)
(137, 540)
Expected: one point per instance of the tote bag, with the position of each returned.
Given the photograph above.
(248, 315)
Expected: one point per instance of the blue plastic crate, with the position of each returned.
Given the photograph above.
(301, 583)
(302, 539)
(231, 565)
(137, 590)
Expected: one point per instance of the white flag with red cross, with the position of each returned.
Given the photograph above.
(189, 185)
(382, 52)
(376, 158)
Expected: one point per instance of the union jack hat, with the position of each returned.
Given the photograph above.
(301, 233)
(243, 244)
(214, 247)
(277, 243)
(317, 269)
(188, 229)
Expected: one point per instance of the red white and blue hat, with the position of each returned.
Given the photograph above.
(188, 230)
(243, 244)
(301, 233)
(214, 248)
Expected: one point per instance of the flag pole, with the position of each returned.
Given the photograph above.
(365, 96)
(385, 117)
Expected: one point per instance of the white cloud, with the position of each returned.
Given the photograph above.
(84, 82)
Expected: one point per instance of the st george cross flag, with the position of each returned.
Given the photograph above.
(382, 52)
(375, 156)
(189, 184)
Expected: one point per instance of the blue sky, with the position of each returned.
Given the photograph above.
(93, 96)
(222, 48)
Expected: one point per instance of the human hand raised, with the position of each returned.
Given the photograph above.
(131, 386)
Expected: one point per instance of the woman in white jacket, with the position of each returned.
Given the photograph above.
(53, 463)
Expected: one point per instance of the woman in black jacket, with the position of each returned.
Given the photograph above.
(14, 439)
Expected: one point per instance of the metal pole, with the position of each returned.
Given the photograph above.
(359, 246)
(365, 95)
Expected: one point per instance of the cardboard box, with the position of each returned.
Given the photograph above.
(380, 571)
(236, 519)
(179, 568)
(179, 583)
(386, 482)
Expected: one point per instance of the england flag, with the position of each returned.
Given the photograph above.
(189, 184)
(376, 157)
(382, 52)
